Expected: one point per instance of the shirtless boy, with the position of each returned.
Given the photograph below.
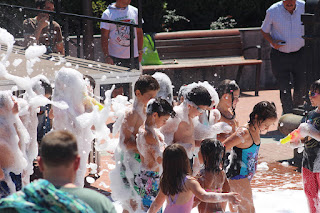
(145, 89)
(150, 143)
(180, 129)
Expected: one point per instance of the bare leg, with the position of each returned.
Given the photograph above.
(243, 187)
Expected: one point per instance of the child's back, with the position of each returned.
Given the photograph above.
(211, 182)
(181, 202)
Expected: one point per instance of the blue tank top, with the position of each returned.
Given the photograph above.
(243, 162)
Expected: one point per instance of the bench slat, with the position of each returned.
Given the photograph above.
(200, 54)
(199, 48)
(198, 41)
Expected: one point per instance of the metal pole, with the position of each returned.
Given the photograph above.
(140, 13)
(66, 35)
(131, 47)
(88, 49)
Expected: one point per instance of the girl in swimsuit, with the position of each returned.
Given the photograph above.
(229, 94)
(178, 188)
(212, 177)
(245, 143)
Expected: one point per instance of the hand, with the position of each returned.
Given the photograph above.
(276, 44)
(109, 60)
(234, 198)
(221, 127)
(43, 22)
(306, 129)
(215, 116)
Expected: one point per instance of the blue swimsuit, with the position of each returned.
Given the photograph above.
(244, 162)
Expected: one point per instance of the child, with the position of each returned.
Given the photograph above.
(70, 87)
(245, 143)
(310, 130)
(13, 137)
(128, 158)
(212, 178)
(181, 129)
(178, 188)
(229, 93)
(151, 145)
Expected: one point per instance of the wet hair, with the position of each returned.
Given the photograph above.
(199, 96)
(315, 86)
(58, 148)
(160, 106)
(176, 166)
(228, 86)
(91, 81)
(41, 3)
(213, 153)
(263, 110)
(146, 83)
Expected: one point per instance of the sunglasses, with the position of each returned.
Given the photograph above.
(313, 94)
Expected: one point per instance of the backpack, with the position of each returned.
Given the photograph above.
(150, 54)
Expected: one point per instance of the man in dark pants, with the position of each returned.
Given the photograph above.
(283, 29)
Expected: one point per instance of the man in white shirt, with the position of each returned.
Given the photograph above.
(115, 39)
(283, 29)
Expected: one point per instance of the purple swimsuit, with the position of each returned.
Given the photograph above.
(172, 207)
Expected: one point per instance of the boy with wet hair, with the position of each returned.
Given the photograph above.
(145, 88)
(150, 143)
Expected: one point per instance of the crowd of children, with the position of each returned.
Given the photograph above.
(177, 153)
(186, 153)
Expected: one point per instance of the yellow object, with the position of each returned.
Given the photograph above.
(292, 136)
(95, 102)
(286, 139)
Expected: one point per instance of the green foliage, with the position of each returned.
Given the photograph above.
(172, 19)
(223, 23)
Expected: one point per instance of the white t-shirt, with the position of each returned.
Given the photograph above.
(119, 37)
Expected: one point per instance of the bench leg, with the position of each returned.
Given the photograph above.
(258, 70)
(239, 73)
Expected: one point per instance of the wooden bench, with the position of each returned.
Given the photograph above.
(204, 48)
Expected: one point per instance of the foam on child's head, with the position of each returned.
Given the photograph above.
(146, 83)
(166, 88)
(160, 106)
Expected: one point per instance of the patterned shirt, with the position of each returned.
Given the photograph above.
(285, 26)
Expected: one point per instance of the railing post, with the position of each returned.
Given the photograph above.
(87, 40)
(131, 47)
(66, 35)
(51, 33)
(78, 39)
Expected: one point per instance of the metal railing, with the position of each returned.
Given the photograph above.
(66, 17)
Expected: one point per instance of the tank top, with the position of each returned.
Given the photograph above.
(243, 162)
(172, 207)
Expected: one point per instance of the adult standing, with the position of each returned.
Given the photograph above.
(115, 39)
(37, 30)
(283, 29)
